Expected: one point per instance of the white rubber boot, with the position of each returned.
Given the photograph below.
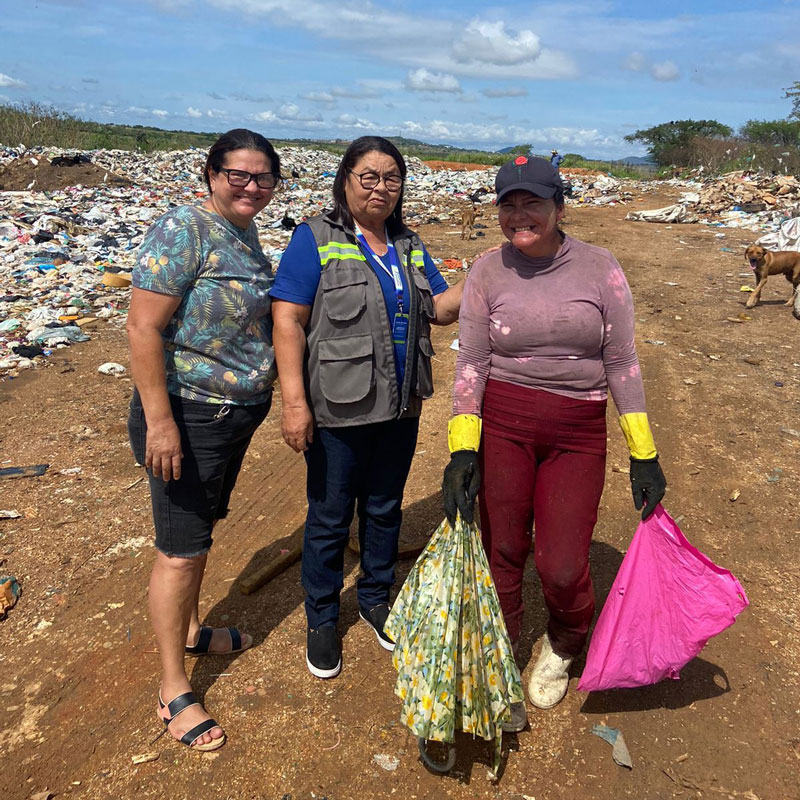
(550, 677)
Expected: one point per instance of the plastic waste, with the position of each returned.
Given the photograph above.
(667, 601)
(111, 368)
(9, 594)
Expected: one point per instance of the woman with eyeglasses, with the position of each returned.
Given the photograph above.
(200, 334)
(353, 302)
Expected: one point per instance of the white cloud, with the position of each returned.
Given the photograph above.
(498, 135)
(492, 43)
(319, 97)
(350, 121)
(290, 116)
(160, 113)
(194, 112)
(137, 110)
(379, 85)
(216, 113)
(636, 62)
(291, 111)
(364, 91)
(10, 83)
(665, 71)
(423, 80)
(250, 98)
(482, 49)
(510, 91)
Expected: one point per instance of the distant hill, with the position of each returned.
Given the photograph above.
(645, 161)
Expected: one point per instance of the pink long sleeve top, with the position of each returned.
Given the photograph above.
(562, 324)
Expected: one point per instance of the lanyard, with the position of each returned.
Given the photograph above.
(394, 263)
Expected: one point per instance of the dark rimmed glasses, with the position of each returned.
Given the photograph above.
(369, 180)
(241, 178)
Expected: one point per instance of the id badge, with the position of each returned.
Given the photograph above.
(400, 329)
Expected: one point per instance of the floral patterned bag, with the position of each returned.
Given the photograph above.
(455, 666)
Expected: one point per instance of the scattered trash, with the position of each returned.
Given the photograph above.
(656, 342)
(119, 280)
(746, 289)
(454, 344)
(775, 476)
(787, 237)
(45, 795)
(145, 757)
(615, 738)
(23, 472)
(9, 594)
(671, 214)
(111, 368)
(389, 763)
(9, 514)
(787, 431)
(71, 471)
(735, 495)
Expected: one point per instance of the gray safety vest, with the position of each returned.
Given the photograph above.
(349, 366)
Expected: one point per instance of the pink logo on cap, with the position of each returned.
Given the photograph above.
(520, 160)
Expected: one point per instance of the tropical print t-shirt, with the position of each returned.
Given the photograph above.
(218, 344)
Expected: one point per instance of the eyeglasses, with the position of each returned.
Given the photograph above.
(369, 180)
(241, 178)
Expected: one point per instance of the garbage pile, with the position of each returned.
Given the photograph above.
(752, 193)
(598, 190)
(71, 223)
(741, 199)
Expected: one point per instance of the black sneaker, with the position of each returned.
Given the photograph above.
(324, 652)
(376, 619)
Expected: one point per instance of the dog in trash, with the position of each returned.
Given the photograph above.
(468, 216)
(765, 262)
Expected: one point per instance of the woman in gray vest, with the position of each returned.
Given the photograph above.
(353, 303)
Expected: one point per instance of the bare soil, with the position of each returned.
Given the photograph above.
(23, 174)
(78, 668)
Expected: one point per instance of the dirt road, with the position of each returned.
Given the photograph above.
(78, 671)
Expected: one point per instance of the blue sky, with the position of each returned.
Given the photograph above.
(577, 76)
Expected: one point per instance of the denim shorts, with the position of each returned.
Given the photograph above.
(214, 440)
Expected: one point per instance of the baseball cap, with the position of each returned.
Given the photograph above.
(535, 175)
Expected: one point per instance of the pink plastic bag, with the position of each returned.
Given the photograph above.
(667, 601)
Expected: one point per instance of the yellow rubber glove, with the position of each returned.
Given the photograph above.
(638, 436)
(464, 433)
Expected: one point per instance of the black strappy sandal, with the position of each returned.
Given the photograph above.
(181, 703)
(204, 642)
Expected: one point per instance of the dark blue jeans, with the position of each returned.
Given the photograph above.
(365, 465)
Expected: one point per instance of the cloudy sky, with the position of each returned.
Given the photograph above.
(573, 75)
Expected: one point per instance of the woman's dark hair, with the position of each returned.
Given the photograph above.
(357, 149)
(239, 139)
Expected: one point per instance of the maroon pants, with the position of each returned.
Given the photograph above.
(542, 461)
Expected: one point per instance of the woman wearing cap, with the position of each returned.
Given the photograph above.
(546, 332)
(353, 302)
(200, 335)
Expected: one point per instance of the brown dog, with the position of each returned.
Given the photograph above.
(765, 263)
(468, 221)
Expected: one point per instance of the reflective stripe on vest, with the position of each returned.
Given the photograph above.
(418, 260)
(339, 251)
